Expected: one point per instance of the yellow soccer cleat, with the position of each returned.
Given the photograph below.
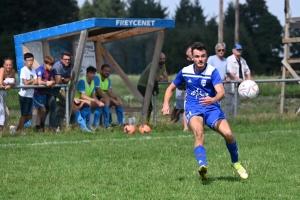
(240, 170)
(202, 170)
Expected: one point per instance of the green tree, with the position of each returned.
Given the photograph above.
(146, 9)
(109, 8)
(87, 10)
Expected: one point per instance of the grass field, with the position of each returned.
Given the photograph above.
(160, 165)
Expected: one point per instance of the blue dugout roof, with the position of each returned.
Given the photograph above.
(106, 24)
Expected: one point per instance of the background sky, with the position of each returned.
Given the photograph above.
(211, 7)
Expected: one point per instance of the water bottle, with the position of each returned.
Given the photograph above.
(133, 120)
(130, 121)
(124, 120)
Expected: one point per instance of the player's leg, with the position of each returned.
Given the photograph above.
(185, 123)
(106, 111)
(223, 128)
(196, 124)
(79, 119)
(119, 112)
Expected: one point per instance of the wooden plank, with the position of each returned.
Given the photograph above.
(293, 19)
(76, 66)
(121, 73)
(291, 40)
(99, 57)
(46, 48)
(281, 107)
(123, 34)
(151, 79)
(295, 25)
(290, 69)
(293, 60)
(35, 62)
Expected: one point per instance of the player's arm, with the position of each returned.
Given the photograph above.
(165, 77)
(168, 94)
(95, 99)
(235, 76)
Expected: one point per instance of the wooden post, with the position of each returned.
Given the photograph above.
(286, 53)
(99, 57)
(236, 28)
(121, 73)
(77, 66)
(46, 48)
(282, 94)
(152, 75)
(220, 30)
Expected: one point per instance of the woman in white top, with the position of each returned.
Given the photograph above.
(7, 81)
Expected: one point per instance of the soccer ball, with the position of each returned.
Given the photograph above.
(129, 129)
(144, 128)
(248, 89)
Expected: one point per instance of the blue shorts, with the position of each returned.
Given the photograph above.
(39, 100)
(26, 105)
(210, 114)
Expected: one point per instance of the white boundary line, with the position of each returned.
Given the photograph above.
(123, 139)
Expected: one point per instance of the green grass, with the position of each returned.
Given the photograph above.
(159, 165)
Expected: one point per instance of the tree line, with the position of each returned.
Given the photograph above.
(260, 32)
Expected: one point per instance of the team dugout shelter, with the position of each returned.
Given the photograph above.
(85, 40)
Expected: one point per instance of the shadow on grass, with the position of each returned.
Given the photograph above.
(221, 178)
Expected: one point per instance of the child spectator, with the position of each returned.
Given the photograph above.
(27, 77)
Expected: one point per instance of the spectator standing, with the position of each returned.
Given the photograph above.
(237, 69)
(7, 80)
(180, 93)
(27, 77)
(44, 77)
(161, 76)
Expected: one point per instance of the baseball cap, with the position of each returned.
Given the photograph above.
(238, 46)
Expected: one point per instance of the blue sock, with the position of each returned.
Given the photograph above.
(80, 120)
(86, 114)
(97, 114)
(106, 113)
(234, 151)
(119, 112)
(200, 155)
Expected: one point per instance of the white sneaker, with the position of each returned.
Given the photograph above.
(12, 129)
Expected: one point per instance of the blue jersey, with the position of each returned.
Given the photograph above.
(198, 85)
(46, 75)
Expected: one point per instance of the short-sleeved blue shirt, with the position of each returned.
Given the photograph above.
(198, 85)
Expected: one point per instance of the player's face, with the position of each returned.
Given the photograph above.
(48, 67)
(90, 75)
(8, 65)
(105, 72)
(199, 58)
(66, 60)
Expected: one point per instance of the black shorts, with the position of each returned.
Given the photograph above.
(25, 105)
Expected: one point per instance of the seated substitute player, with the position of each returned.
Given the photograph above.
(204, 89)
(86, 91)
(105, 91)
(45, 77)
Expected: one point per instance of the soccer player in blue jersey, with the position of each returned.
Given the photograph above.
(204, 90)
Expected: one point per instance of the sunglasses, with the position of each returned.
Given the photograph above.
(219, 50)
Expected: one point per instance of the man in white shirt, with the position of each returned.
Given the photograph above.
(237, 69)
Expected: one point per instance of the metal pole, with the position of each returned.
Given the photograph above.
(235, 99)
(236, 29)
(155, 108)
(67, 108)
(220, 30)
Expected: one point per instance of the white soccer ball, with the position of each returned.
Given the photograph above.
(248, 89)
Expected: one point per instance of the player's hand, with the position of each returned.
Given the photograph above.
(165, 110)
(227, 79)
(120, 102)
(7, 87)
(207, 101)
(100, 104)
(240, 80)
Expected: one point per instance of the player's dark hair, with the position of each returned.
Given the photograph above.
(65, 53)
(91, 69)
(105, 65)
(199, 46)
(28, 55)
